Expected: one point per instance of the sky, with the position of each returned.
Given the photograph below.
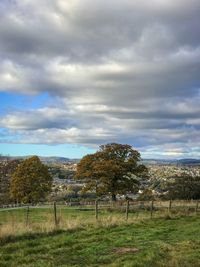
(76, 74)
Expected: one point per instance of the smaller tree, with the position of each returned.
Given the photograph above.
(146, 195)
(73, 191)
(31, 182)
(7, 167)
(184, 187)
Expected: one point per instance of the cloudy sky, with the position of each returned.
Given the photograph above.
(78, 73)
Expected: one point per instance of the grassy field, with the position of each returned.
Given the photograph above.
(81, 241)
(41, 219)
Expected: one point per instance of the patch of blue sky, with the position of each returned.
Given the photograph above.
(65, 150)
(12, 101)
(6, 137)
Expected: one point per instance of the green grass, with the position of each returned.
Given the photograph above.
(40, 215)
(161, 242)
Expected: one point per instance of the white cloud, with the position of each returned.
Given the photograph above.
(123, 71)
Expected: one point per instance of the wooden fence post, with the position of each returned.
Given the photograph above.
(27, 215)
(151, 209)
(127, 209)
(170, 205)
(55, 214)
(190, 206)
(196, 208)
(96, 209)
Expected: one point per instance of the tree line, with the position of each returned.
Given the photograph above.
(115, 169)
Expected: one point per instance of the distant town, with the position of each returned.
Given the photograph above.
(65, 186)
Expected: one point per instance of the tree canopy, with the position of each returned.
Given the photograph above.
(113, 169)
(31, 181)
(183, 186)
(7, 167)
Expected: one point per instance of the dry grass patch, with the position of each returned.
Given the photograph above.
(125, 250)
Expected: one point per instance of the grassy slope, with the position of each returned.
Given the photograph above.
(161, 242)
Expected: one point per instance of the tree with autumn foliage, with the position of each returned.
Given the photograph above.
(7, 167)
(113, 169)
(31, 182)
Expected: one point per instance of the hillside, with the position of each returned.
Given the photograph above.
(54, 159)
(158, 242)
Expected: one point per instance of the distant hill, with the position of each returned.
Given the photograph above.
(158, 161)
(188, 161)
(47, 160)
(55, 159)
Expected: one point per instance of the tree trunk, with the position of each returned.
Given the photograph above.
(114, 197)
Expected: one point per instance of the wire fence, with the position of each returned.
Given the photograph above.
(97, 209)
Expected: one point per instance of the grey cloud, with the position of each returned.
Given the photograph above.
(83, 29)
(123, 71)
(40, 119)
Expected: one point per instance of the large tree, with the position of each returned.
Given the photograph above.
(114, 169)
(31, 181)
